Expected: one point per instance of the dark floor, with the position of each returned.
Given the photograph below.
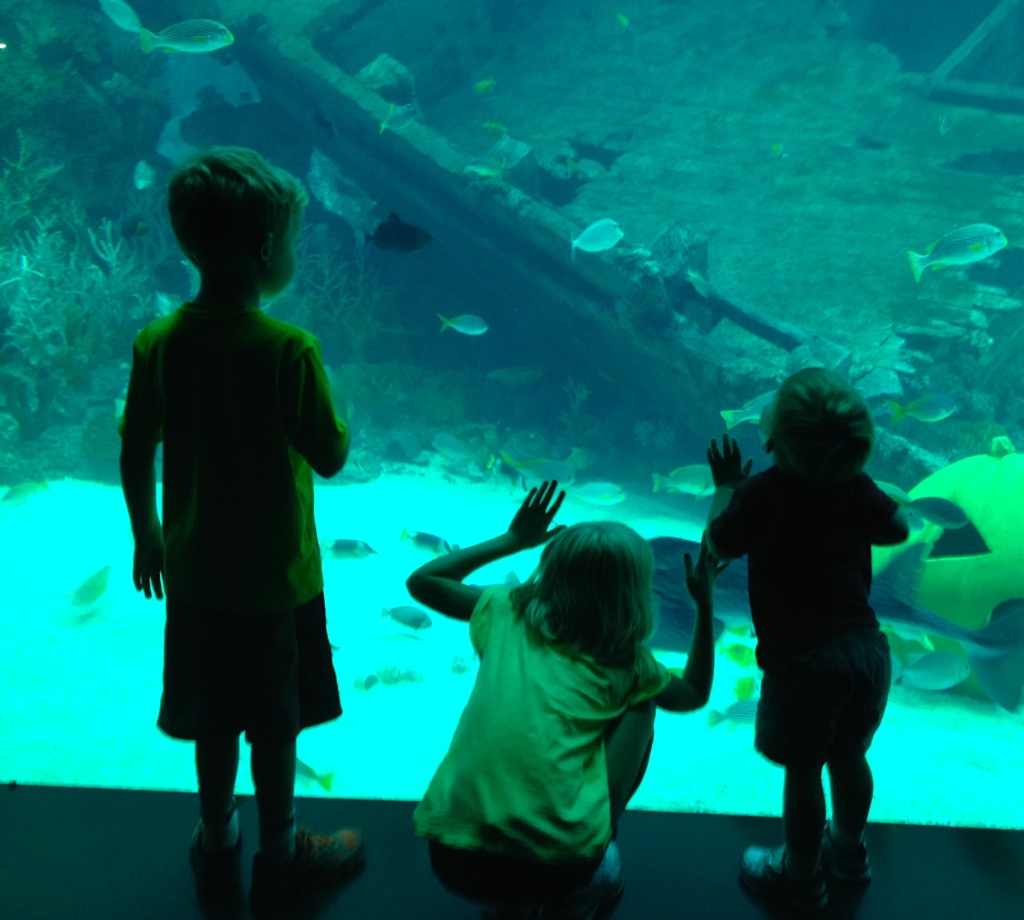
(88, 853)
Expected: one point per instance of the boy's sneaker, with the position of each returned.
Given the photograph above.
(320, 861)
(850, 866)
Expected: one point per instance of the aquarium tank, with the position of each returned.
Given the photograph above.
(545, 240)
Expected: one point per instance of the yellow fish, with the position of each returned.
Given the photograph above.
(92, 589)
(745, 688)
(483, 87)
(305, 772)
(496, 126)
(740, 654)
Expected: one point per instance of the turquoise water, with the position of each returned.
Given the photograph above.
(769, 166)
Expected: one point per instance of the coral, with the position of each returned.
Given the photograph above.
(70, 301)
(343, 303)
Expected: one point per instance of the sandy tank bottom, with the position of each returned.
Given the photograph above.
(81, 686)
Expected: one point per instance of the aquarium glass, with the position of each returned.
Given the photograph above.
(571, 240)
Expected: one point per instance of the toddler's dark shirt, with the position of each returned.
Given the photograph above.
(809, 557)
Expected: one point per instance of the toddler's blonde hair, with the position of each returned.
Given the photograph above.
(592, 591)
(224, 202)
(819, 427)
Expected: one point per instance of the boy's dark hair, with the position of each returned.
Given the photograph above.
(224, 202)
(819, 427)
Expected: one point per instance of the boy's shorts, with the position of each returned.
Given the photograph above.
(826, 703)
(225, 672)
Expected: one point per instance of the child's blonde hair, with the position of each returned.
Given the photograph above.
(224, 202)
(592, 591)
(819, 427)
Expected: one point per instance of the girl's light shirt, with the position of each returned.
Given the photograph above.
(525, 774)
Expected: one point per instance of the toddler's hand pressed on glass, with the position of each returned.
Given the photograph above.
(727, 466)
(700, 578)
(530, 525)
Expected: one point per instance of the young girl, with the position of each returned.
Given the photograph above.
(558, 729)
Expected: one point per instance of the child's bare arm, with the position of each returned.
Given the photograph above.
(138, 482)
(438, 584)
(692, 690)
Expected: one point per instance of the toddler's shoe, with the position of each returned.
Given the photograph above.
(765, 873)
(217, 874)
(320, 861)
(849, 866)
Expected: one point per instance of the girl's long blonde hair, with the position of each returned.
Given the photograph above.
(592, 591)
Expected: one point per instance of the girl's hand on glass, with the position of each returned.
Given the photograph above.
(700, 576)
(727, 466)
(530, 525)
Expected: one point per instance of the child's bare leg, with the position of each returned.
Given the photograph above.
(627, 749)
(803, 818)
(852, 790)
(273, 775)
(216, 768)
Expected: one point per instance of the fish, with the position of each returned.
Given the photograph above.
(960, 247)
(306, 773)
(412, 617)
(349, 549)
(132, 226)
(541, 469)
(23, 491)
(483, 87)
(427, 541)
(742, 712)
(745, 688)
(995, 652)
(932, 670)
(945, 125)
(466, 324)
(121, 15)
(598, 493)
(451, 448)
(894, 492)
(520, 376)
(339, 194)
(948, 515)
(143, 175)
(623, 20)
(394, 233)
(460, 665)
(695, 480)
(93, 588)
(495, 126)
(195, 36)
(931, 408)
(600, 236)
(584, 169)
(398, 117)
(749, 412)
(740, 654)
(487, 167)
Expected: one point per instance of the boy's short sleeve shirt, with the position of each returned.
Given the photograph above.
(525, 774)
(242, 405)
(809, 553)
